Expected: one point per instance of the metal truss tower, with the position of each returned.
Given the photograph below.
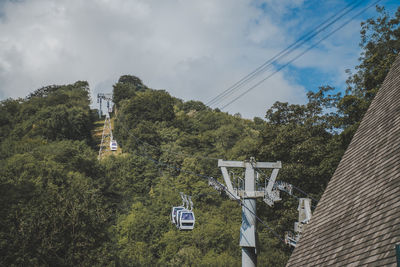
(106, 97)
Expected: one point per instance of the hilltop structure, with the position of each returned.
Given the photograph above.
(357, 220)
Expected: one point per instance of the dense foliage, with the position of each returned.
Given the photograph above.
(52, 209)
(61, 206)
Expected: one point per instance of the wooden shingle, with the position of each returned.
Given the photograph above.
(357, 220)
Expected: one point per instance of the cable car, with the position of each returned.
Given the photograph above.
(178, 217)
(174, 213)
(186, 220)
(183, 216)
(113, 145)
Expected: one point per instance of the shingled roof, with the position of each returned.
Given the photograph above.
(357, 220)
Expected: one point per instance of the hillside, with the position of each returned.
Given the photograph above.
(61, 206)
(119, 208)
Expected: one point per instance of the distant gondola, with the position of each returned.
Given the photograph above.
(113, 145)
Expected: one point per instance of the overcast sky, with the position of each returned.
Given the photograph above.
(193, 49)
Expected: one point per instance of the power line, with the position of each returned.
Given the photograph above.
(303, 39)
(301, 54)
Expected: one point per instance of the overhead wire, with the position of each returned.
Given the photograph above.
(305, 38)
(299, 55)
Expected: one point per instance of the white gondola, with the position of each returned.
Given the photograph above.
(174, 212)
(183, 216)
(178, 216)
(186, 220)
(113, 145)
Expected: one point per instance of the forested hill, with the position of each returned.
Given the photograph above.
(61, 206)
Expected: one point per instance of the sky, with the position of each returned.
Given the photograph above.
(192, 49)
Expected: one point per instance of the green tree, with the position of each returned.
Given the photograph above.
(126, 88)
(380, 44)
(52, 211)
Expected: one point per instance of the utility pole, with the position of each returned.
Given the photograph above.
(249, 194)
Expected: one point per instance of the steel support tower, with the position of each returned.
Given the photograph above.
(248, 196)
(107, 97)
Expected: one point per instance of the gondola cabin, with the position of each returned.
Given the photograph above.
(174, 214)
(186, 220)
(113, 145)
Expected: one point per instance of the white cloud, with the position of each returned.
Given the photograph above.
(194, 49)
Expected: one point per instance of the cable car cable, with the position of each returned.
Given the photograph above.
(303, 39)
(298, 56)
